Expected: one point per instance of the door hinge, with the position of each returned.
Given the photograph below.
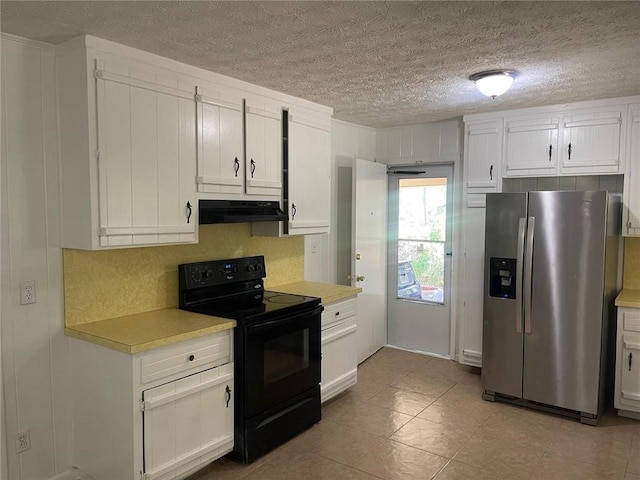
(98, 155)
(142, 406)
(143, 475)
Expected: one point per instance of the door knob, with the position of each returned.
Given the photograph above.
(360, 278)
(349, 277)
(358, 256)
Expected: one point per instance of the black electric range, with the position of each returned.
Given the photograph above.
(276, 350)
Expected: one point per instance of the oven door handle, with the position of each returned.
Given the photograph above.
(261, 327)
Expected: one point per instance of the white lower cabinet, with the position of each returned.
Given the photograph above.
(156, 415)
(627, 390)
(339, 348)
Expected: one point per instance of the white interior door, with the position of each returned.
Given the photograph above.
(370, 254)
(419, 274)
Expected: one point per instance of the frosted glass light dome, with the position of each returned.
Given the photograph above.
(493, 82)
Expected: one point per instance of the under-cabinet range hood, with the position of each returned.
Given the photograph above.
(239, 211)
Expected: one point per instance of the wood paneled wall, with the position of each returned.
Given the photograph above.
(34, 348)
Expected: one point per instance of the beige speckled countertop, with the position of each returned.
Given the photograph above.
(628, 297)
(328, 292)
(144, 331)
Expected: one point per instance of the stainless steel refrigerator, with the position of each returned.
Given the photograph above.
(550, 282)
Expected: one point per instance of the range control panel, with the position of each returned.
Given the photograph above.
(220, 272)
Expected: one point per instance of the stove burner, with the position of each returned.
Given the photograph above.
(284, 299)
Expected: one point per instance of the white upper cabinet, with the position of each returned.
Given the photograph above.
(483, 155)
(263, 122)
(221, 165)
(309, 174)
(531, 145)
(593, 140)
(128, 152)
(415, 144)
(632, 177)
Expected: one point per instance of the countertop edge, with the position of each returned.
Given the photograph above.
(628, 298)
(327, 292)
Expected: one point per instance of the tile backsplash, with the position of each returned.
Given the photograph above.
(631, 276)
(112, 283)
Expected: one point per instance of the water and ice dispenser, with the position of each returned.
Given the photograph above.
(502, 277)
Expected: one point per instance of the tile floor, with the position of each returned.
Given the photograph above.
(413, 417)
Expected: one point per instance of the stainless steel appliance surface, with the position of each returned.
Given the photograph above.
(550, 283)
(277, 364)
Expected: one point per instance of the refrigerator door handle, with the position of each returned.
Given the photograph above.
(522, 226)
(528, 274)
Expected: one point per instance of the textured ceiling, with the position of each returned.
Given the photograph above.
(375, 63)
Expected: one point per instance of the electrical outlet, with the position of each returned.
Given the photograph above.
(27, 292)
(23, 441)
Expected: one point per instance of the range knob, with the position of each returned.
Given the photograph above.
(250, 268)
(259, 267)
(208, 274)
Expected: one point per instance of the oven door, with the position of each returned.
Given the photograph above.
(282, 359)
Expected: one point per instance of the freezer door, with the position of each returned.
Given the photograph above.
(502, 337)
(562, 352)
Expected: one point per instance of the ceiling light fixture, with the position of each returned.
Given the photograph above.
(494, 82)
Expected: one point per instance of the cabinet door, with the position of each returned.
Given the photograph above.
(592, 141)
(309, 183)
(339, 358)
(264, 151)
(531, 146)
(188, 423)
(146, 157)
(220, 143)
(473, 289)
(483, 155)
(632, 179)
(629, 365)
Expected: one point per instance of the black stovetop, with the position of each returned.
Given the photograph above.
(254, 305)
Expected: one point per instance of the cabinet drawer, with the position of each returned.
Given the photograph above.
(185, 356)
(338, 311)
(631, 322)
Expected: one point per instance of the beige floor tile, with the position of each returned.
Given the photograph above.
(223, 469)
(610, 427)
(396, 461)
(635, 441)
(567, 469)
(402, 401)
(454, 416)
(338, 442)
(633, 464)
(631, 476)
(520, 427)
(432, 437)
(509, 460)
(371, 418)
(460, 471)
(384, 374)
(431, 386)
(445, 368)
(394, 357)
(603, 453)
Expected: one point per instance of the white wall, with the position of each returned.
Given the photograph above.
(348, 142)
(34, 348)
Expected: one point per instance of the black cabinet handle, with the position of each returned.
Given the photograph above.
(550, 150)
(569, 151)
(293, 211)
(491, 172)
(253, 167)
(337, 313)
(630, 360)
(189, 210)
(228, 390)
(192, 358)
(236, 165)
